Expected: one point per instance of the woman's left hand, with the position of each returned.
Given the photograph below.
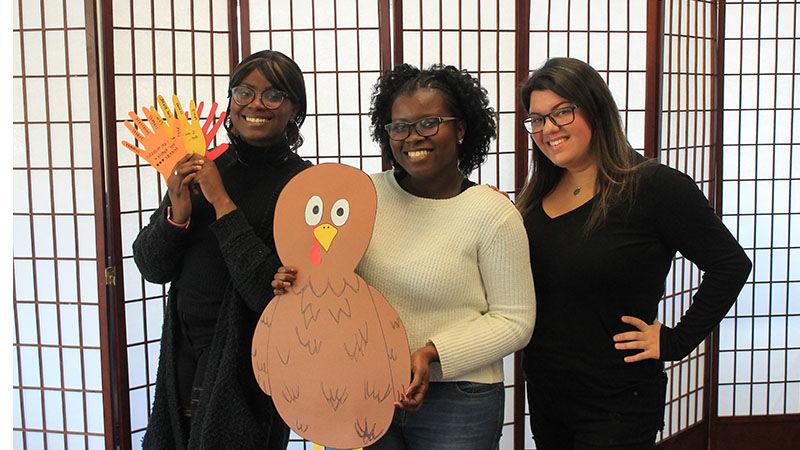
(210, 182)
(647, 339)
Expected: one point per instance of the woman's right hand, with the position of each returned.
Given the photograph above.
(283, 279)
(178, 186)
(420, 378)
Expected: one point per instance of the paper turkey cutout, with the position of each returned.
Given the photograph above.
(331, 352)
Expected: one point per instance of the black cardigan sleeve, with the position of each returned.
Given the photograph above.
(250, 256)
(687, 223)
(158, 249)
(250, 261)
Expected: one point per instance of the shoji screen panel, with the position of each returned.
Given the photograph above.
(57, 383)
(686, 142)
(477, 36)
(173, 47)
(337, 44)
(759, 344)
(609, 35)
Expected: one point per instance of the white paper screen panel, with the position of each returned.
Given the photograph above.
(56, 386)
(759, 346)
(337, 46)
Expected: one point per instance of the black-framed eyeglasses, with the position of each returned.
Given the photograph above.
(425, 127)
(559, 117)
(270, 98)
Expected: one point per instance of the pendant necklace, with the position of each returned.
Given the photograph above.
(576, 192)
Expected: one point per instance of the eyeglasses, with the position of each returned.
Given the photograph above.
(559, 117)
(425, 127)
(271, 98)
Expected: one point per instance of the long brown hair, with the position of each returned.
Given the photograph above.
(617, 162)
(284, 74)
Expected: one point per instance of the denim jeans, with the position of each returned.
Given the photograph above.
(458, 415)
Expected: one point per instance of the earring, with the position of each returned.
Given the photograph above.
(460, 141)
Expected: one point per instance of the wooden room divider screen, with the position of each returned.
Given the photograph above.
(87, 326)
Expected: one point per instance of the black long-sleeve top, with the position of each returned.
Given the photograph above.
(584, 285)
(225, 267)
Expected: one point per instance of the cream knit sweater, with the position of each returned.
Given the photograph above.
(457, 271)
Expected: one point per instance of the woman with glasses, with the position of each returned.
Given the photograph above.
(604, 224)
(211, 238)
(451, 257)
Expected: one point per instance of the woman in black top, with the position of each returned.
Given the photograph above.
(211, 238)
(604, 224)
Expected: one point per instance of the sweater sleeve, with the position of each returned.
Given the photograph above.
(159, 247)
(252, 259)
(685, 220)
(508, 323)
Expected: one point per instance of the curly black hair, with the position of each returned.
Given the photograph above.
(463, 95)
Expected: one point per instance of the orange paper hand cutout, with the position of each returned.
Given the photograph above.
(162, 146)
(167, 140)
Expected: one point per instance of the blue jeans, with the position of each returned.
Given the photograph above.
(458, 415)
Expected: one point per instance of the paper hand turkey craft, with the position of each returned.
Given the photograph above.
(331, 352)
(166, 141)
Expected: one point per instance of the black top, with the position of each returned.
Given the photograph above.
(233, 412)
(585, 285)
(249, 179)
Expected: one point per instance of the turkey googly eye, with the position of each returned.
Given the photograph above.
(314, 210)
(340, 212)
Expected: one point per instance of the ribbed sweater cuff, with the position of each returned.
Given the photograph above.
(168, 232)
(455, 355)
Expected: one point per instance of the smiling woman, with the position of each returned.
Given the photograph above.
(430, 157)
(450, 257)
(407, 94)
(604, 225)
(214, 245)
(268, 101)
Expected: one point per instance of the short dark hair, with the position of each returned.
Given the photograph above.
(284, 74)
(463, 95)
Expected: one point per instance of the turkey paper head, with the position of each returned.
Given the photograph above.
(323, 224)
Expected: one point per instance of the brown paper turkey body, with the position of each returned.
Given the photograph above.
(331, 352)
